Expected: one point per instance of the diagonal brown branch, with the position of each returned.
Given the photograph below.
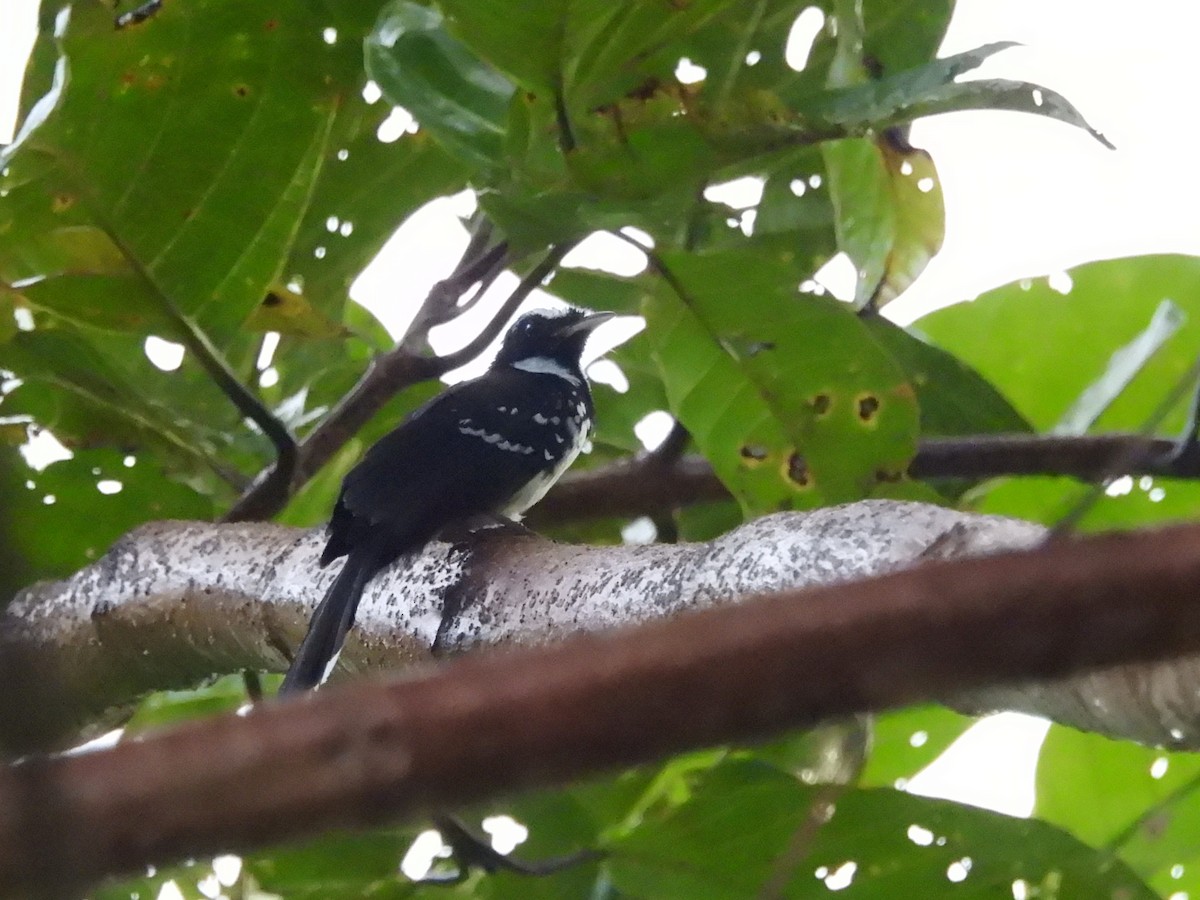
(388, 374)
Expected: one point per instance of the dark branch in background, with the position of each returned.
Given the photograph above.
(489, 724)
(246, 401)
(388, 374)
(1123, 457)
(641, 485)
(663, 457)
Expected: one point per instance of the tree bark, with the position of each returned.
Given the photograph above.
(490, 723)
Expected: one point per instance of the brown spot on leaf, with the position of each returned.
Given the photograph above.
(820, 403)
(241, 90)
(271, 24)
(754, 452)
(62, 202)
(868, 407)
(797, 470)
(272, 299)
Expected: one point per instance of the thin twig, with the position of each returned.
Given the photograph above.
(211, 360)
(387, 375)
(491, 331)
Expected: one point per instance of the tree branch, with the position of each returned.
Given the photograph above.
(383, 750)
(641, 485)
(387, 375)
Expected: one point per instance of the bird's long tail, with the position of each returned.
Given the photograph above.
(329, 624)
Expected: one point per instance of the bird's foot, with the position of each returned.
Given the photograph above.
(470, 852)
(487, 525)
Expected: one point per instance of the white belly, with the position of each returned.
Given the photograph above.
(536, 489)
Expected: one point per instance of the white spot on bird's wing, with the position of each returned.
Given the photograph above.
(549, 455)
(543, 365)
(540, 419)
(492, 437)
(501, 409)
(559, 438)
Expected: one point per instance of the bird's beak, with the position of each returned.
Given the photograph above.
(587, 323)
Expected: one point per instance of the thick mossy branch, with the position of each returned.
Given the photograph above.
(492, 723)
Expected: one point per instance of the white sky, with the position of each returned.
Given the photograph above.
(1024, 196)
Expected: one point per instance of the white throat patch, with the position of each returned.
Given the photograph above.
(543, 365)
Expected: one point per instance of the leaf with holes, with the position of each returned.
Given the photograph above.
(890, 216)
(747, 829)
(193, 143)
(1138, 802)
(788, 395)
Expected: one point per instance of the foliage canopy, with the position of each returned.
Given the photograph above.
(214, 176)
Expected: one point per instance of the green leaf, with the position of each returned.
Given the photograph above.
(1018, 336)
(69, 514)
(597, 290)
(930, 89)
(766, 387)
(1138, 803)
(173, 707)
(954, 399)
(905, 741)
(890, 216)
(418, 65)
(203, 207)
(336, 865)
(1123, 367)
(746, 826)
(76, 389)
(1129, 503)
(524, 40)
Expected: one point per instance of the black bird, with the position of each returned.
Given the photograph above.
(490, 446)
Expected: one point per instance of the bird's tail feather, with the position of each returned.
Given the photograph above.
(329, 624)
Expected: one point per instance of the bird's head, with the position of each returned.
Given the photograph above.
(557, 336)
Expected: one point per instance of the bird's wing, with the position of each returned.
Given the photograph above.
(463, 453)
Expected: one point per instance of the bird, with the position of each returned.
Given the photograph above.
(488, 447)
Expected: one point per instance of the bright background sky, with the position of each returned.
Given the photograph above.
(1024, 196)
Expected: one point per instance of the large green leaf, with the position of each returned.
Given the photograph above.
(192, 141)
(1020, 336)
(788, 395)
(91, 227)
(69, 514)
(746, 826)
(1139, 804)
